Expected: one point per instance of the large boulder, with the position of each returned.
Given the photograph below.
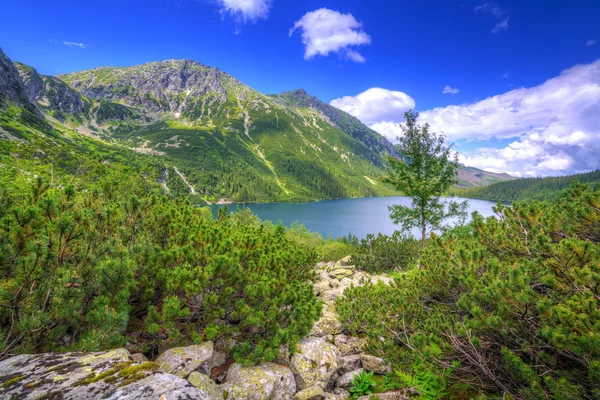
(341, 273)
(181, 361)
(85, 376)
(375, 364)
(349, 363)
(345, 381)
(314, 363)
(266, 381)
(205, 384)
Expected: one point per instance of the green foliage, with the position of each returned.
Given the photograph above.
(509, 304)
(425, 174)
(382, 253)
(80, 272)
(429, 384)
(363, 384)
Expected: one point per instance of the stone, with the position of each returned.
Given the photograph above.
(205, 384)
(345, 261)
(139, 358)
(349, 363)
(321, 287)
(334, 283)
(395, 395)
(314, 363)
(181, 361)
(85, 376)
(328, 324)
(375, 364)
(266, 381)
(218, 358)
(345, 381)
(341, 273)
(313, 393)
(342, 392)
(348, 345)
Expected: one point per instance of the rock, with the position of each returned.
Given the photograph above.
(334, 283)
(396, 395)
(348, 345)
(314, 363)
(345, 261)
(375, 364)
(321, 287)
(313, 393)
(349, 363)
(267, 381)
(332, 396)
(219, 358)
(328, 324)
(283, 357)
(341, 273)
(139, 358)
(345, 282)
(85, 376)
(342, 392)
(345, 381)
(181, 361)
(205, 384)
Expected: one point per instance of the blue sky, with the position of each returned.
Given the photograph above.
(474, 49)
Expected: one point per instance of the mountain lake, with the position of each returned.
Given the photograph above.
(338, 218)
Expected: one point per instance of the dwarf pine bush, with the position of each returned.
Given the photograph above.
(510, 304)
(81, 272)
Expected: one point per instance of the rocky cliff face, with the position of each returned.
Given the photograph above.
(49, 93)
(172, 86)
(11, 87)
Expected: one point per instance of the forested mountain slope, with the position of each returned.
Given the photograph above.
(528, 188)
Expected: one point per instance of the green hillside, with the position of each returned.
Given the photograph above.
(527, 188)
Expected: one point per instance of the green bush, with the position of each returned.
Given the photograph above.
(510, 304)
(80, 272)
(362, 384)
(384, 253)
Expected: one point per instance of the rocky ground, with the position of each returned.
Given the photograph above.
(322, 367)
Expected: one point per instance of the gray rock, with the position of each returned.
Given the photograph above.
(313, 393)
(349, 363)
(396, 395)
(181, 361)
(345, 261)
(219, 358)
(341, 273)
(86, 376)
(348, 345)
(345, 381)
(328, 324)
(314, 363)
(267, 381)
(206, 385)
(342, 392)
(375, 364)
(139, 358)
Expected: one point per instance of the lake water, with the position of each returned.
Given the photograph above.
(341, 217)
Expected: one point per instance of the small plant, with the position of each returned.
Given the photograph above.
(363, 385)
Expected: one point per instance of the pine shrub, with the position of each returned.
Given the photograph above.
(384, 253)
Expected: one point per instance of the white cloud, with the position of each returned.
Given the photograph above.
(506, 75)
(493, 9)
(590, 42)
(556, 125)
(74, 44)
(326, 31)
(450, 90)
(246, 10)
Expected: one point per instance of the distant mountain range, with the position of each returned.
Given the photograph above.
(200, 132)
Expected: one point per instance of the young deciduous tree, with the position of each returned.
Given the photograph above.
(426, 171)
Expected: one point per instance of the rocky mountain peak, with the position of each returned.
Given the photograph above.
(11, 87)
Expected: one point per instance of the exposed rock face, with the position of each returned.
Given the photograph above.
(181, 361)
(314, 363)
(11, 87)
(267, 381)
(81, 376)
(48, 92)
(166, 86)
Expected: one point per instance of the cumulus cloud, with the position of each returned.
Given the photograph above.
(246, 10)
(590, 42)
(493, 9)
(326, 31)
(376, 105)
(74, 44)
(450, 90)
(555, 126)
